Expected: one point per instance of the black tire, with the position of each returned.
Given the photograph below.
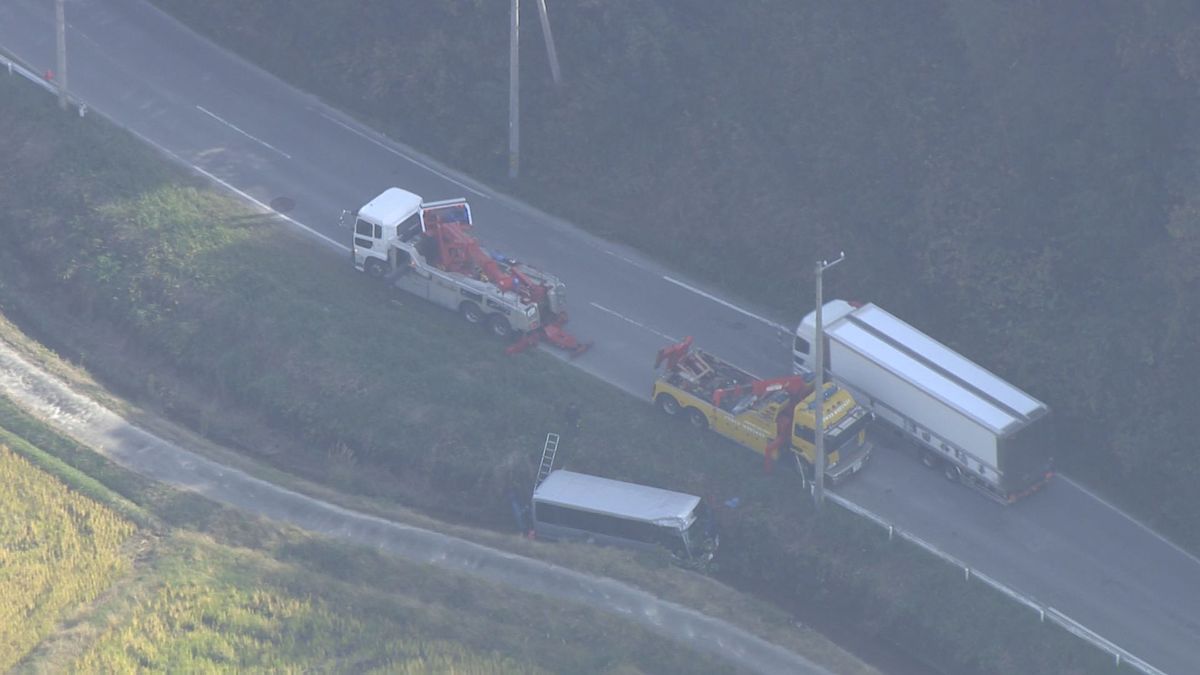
(929, 459)
(471, 312)
(375, 268)
(668, 404)
(697, 418)
(499, 326)
(952, 473)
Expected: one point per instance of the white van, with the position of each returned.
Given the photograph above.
(578, 507)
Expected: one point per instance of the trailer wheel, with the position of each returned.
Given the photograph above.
(930, 460)
(697, 418)
(375, 268)
(500, 326)
(953, 473)
(471, 312)
(668, 404)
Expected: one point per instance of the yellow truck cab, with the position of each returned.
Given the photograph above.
(766, 416)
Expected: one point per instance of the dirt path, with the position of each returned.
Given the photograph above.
(144, 453)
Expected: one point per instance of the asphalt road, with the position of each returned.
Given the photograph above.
(1062, 547)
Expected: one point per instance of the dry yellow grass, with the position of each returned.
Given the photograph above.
(58, 549)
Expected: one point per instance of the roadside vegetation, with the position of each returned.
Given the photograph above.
(188, 586)
(1019, 179)
(179, 297)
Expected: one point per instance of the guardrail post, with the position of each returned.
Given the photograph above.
(891, 529)
(1042, 615)
(967, 573)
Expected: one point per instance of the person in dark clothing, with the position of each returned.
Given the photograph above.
(572, 416)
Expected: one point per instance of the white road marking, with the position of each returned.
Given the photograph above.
(730, 305)
(1131, 519)
(242, 132)
(396, 152)
(621, 257)
(643, 326)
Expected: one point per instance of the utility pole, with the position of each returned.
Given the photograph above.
(553, 55)
(514, 86)
(819, 388)
(60, 20)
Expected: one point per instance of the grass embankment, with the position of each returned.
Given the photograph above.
(208, 589)
(179, 296)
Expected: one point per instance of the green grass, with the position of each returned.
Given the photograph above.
(223, 592)
(58, 549)
(402, 402)
(220, 610)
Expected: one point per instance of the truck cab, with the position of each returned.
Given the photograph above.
(393, 215)
(802, 351)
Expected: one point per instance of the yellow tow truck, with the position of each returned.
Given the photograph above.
(763, 415)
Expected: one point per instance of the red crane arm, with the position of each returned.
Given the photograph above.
(673, 353)
(795, 385)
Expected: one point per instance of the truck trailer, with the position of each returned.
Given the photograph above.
(964, 420)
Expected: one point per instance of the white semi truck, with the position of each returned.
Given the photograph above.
(965, 420)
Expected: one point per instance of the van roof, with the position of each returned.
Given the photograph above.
(625, 500)
(391, 207)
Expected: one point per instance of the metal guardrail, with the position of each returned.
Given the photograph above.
(16, 68)
(1044, 612)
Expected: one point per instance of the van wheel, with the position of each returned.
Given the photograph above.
(952, 473)
(668, 404)
(697, 418)
(500, 326)
(930, 460)
(471, 312)
(375, 268)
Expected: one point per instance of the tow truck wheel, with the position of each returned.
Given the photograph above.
(500, 326)
(668, 404)
(953, 473)
(697, 419)
(375, 268)
(471, 312)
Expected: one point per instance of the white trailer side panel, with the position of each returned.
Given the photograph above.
(876, 381)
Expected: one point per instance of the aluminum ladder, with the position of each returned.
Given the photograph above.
(548, 452)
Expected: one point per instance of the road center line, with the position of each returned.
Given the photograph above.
(730, 305)
(399, 154)
(618, 256)
(643, 326)
(240, 131)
